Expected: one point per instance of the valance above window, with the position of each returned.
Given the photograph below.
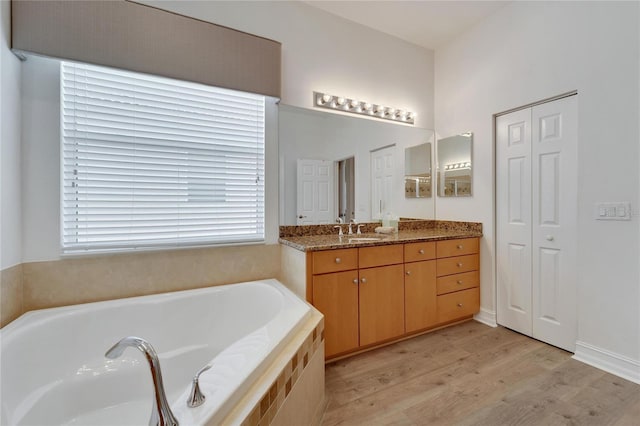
(136, 37)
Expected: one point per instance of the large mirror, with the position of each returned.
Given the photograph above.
(336, 167)
(417, 171)
(455, 166)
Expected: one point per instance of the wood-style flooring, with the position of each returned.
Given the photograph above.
(472, 374)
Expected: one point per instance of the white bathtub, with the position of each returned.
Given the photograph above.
(53, 369)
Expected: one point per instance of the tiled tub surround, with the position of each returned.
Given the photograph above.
(70, 281)
(290, 371)
(291, 392)
(11, 299)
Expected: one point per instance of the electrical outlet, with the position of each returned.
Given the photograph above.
(620, 210)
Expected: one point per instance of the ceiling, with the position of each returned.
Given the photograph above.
(429, 24)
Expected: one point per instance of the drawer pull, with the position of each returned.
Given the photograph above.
(355, 281)
(459, 246)
(459, 305)
(459, 281)
(459, 264)
(338, 260)
(421, 251)
(363, 280)
(408, 272)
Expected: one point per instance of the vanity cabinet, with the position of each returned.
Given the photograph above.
(374, 295)
(381, 304)
(419, 286)
(336, 296)
(360, 292)
(458, 279)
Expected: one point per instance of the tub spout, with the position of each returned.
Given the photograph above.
(161, 414)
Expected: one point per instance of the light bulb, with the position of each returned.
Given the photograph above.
(341, 101)
(354, 104)
(367, 106)
(326, 98)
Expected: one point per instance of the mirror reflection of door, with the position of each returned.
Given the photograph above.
(346, 189)
(382, 171)
(314, 192)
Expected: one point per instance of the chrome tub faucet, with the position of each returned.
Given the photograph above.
(161, 414)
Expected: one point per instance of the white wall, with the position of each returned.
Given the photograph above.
(529, 51)
(41, 158)
(10, 188)
(325, 53)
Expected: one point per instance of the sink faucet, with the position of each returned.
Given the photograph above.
(161, 414)
(352, 222)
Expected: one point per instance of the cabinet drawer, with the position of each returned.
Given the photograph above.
(335, 260)
(458, 247)
(380, 255)
(414, 252)
(457, 282)
(458, 305)
(457, 265)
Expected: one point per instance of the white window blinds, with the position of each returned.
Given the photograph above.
(149, 161)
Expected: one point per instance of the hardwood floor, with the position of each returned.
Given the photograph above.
(472, 374)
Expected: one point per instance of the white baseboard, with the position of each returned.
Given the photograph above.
(608, 361)
(486, 317)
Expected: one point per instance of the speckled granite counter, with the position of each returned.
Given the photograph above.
(324, 237)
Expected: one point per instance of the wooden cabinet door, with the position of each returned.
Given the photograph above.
(420, 295)
(336, 296)
(458, 305)
(381, 303)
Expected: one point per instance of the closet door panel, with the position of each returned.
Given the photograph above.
(513, 220)
(554, 233)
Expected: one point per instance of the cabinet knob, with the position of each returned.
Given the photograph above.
(549, 237)
(459, 305)
(408, 272)
(338, 260)
(421, 251)
(459, 246)
(459, 264)
(459, 281)
(355, 281)
(363, 280)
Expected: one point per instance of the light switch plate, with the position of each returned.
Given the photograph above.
(619, 210)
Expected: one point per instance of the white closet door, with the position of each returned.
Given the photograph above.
(513, 220)
(536, 215)
(555, 187)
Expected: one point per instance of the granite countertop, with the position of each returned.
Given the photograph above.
(327, 242)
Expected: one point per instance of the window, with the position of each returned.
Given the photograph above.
(149, 161)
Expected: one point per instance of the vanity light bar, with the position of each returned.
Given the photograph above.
(338, 103)
(458, 166)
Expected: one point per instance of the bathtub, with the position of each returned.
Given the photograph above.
(54, 372)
